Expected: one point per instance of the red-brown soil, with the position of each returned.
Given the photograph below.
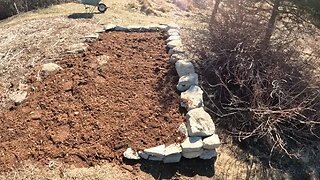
(90, 112)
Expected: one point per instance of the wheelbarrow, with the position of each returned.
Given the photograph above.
(95, 3)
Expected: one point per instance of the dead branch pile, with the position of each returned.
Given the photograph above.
(264, 92)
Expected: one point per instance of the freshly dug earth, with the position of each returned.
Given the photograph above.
(119, 93)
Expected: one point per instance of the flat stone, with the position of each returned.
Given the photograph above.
(208, 154)
(176, 57)
(157, 151)
(171, 38)
(199, 123)
(174, 43)
(120, 28)
(173, 149)
(109, 27)
(18, 97)
(183, 129)
(131, 154)
(192, 98)
(143, 155)
(192, 144)
(173, 26)
(50, 67)
(184, 67)
(155, 158)
(137, 28)
(185, 82)
(211, 142)
(172, 31)
(176, 50)
(157, 27)
(173, 158)
(192, 154)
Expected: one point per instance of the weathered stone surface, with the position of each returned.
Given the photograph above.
(131, 154)
(211, 142)
(192, 98)
(18, 97)
(192, 144)
(173, 31)
(155, 158)
(173, 158)
(171, 38)
(176, 57)
(174, 43)
(208, 154)
(184, 67)
(157, 27)
(176, 50)
(183, 129)
(193, 154)
(120, 28)
(109, 27)
(138, 28)
(199, 123)
(173, 149)
(185, 82)
(157, 151)
(143, 155)
(50, 67)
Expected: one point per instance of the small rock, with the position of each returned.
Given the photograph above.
(176, 57)
(121, 28)
(103, 59)
(143, 155)
(211, 142)
(35, 115)
(50, 67)
(76, 48)
(171, 38)
(157, 151)
(67, 86)
(131, 154)
(100, 30)
(192, 154)
(185, 82)
(127, 167)
(173, 158)
(176, 50)
(157, 27)
(183, 129)
(184, 67)
(92, 36)
(18, 97)
(208, 154)
(192, 98)
(192, 144)
(172, 149)
(199, 123)
(109, 27)
(174, 43)
(173, 32)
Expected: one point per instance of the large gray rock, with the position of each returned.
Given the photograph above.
(208, 154)
(155, 158)
(109, 27)
(192, 144)
(131, 154)
(50, 67)
(199, 123)
(157, 151)
(192, 98)
(193, 154)
(185, 82)
(211, 142)
(171, 38)
(18, 97)
(174, 43)
(184, 67)
(173, 158)
(173, 149)
(143, 155)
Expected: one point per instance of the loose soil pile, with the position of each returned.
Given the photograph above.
(119, 93)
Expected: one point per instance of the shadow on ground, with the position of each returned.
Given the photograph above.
(81, 15)
(186, 167)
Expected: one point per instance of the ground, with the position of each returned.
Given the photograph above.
(31, 39)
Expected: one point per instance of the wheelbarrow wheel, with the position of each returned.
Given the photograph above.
(102, 8)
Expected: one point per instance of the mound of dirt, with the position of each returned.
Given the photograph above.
(119, 93)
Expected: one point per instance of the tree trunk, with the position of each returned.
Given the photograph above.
(271, 23)
(215, 10)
